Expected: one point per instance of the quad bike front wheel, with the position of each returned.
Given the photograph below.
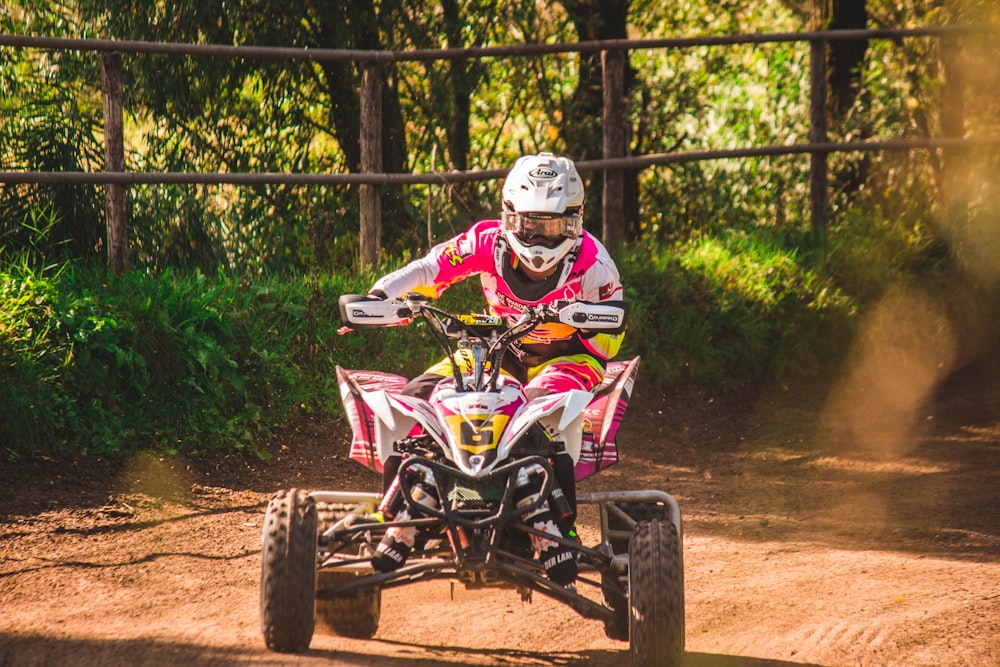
(623, 519)
(288, 572)
(656, 596)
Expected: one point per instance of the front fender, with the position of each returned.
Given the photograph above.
(395, 417)
(560, 414)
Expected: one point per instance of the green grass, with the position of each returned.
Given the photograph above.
(731, 309)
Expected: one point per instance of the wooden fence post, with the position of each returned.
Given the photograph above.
(613, 66)
(371, 161)
(953, 126)
(818, 168)
(114, 156)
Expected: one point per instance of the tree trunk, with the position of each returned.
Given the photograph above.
(952, 178)
(462, 83)
(343, 81)
(582, 124)
(846, 58)
(371, 162)
(818, 167)
(615, 120)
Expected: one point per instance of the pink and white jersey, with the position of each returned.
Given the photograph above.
(587, 273)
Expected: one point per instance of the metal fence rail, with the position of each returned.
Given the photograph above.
(425, 55)
(371, 178)
(442, 177)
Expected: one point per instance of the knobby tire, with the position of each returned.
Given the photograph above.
(288, 572)
(656, 596)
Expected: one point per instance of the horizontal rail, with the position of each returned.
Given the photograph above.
(424, 55)
(635, 162)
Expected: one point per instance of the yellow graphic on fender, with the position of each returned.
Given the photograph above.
(477, 433)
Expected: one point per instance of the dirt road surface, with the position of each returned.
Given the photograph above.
(835, 529)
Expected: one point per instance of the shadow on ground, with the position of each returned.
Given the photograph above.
(16, 649)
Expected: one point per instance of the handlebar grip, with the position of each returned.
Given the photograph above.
(369, 312)
(608, 316)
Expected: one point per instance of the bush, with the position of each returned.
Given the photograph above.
(726, 310)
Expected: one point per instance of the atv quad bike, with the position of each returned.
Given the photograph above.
(476, 499)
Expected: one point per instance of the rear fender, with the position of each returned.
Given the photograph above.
(354, 386)
(603, 416)
(379, 416)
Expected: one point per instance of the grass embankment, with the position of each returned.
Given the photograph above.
(102, 364)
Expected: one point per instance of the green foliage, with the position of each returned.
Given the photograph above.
(49, 121)
(220, 114)
(111, 365)
(729, 310)
(28, 359)
(105, 364)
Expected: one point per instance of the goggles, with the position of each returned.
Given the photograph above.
(541, 228)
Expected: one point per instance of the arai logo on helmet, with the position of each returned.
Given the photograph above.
(543, 172)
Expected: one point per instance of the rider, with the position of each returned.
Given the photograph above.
(536, 253)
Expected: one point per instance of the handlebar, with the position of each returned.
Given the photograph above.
(488, 336)
(363, 312)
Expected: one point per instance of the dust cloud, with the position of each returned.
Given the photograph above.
(155, 476)
(905, 347)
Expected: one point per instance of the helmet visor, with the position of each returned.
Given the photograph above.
(548, 229)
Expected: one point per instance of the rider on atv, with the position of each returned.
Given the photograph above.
(537, 253)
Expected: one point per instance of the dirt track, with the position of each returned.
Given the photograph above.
(814, 535)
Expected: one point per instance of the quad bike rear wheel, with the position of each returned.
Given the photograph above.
(288, 572)
(614, 585)
(356, 616)
(656, 596)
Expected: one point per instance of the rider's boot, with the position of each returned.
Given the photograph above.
(562, 466)
(398, 541)
(565, 475)
(557, 559)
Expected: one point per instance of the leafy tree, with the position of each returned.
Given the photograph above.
(594, 21)
(844, 58)
(50, 108)
(715, 97)
(312, 108)
(209, 114)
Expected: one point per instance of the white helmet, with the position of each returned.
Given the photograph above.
(542, 214)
